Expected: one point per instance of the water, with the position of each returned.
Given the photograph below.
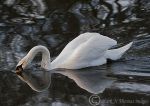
(124, 82)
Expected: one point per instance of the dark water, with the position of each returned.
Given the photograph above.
(24, 24)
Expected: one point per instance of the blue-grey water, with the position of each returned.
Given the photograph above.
(24, 24)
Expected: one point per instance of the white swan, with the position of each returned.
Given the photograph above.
(88, 49)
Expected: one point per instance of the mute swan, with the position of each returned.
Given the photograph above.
(88, 49)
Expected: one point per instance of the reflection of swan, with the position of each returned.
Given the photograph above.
(88, 49)
(93, 80)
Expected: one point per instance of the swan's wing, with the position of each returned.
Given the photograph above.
(90, 53)
(71, 46)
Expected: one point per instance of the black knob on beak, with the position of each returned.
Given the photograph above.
(19, 70)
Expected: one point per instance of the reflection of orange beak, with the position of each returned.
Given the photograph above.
(19, 70)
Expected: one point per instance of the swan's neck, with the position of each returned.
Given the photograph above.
(45, 63)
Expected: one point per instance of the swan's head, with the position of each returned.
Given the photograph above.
(21, 66)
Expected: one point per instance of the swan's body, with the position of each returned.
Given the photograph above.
(88, 49)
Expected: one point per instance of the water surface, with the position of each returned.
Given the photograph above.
(127, 79)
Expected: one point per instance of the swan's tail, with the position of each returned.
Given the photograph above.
(115, 54)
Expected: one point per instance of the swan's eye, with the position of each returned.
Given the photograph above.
(19, 70)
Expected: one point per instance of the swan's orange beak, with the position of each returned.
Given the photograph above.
(19, 70)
